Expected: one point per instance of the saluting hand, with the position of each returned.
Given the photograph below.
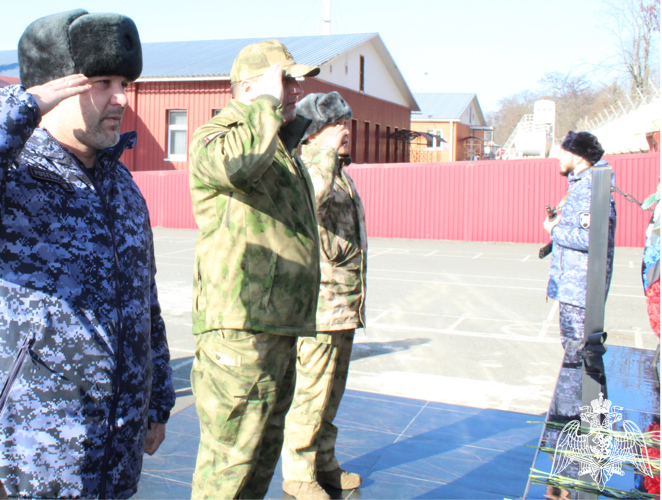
(52, 93)
(336, 136)
(271, 83)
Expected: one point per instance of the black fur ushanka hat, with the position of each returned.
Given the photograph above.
(584, 145)
(102, 44)
(323, 110)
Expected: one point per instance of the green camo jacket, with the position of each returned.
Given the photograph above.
(257, 254)
(343, 241)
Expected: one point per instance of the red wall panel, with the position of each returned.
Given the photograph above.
(168, 198)
(501, 201)
(149, 103)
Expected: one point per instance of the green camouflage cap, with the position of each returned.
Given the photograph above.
(256, 58)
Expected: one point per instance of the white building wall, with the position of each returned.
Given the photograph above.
(344, 71)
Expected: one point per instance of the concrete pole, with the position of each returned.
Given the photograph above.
(327, 17)
(594, 379)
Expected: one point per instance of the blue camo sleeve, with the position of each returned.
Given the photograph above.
(163, 392)
(568, 232)
(19, 116)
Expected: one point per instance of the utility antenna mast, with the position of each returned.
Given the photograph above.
(327, 17)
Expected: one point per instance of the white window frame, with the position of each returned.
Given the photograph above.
(171, 128)
(436, 145)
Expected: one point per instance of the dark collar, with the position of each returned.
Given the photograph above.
(292, 133)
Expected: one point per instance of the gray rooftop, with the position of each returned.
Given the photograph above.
(441, 106)
(215, 57)
(209, 58)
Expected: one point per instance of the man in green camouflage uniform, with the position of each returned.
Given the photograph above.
(309, 459)
(256, 277)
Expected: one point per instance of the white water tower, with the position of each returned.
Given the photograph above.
(535, 135)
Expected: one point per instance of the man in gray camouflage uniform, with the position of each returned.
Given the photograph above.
(256, 276)
(580, 152)
(309, 459)
(86, 386)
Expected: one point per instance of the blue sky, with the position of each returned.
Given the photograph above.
(493, 48)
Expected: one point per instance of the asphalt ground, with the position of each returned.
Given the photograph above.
(463, 323)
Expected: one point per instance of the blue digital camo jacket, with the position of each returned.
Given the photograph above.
(569, 266)
(84, 360)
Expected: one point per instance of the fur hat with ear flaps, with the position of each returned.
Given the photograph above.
(76, 41)
(323, 110)
(584, 145)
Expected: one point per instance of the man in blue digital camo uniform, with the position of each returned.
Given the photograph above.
(569, 232)
(86, 386)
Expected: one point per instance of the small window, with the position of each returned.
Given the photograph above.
(330, 68)
(395, 147)
(366, 142)
(362, 74)
(377, 142)
(435, 141)
(388, 144)
(347, 69)
(177, 131)
(214, 112)
(354, 139)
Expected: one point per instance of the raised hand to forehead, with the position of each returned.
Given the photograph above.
(52, 93)
(335, 136)
(271, 83)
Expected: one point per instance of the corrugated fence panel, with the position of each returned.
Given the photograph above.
(637, 175)
(501, 201)
(168, 198)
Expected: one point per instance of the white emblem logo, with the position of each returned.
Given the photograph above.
(601, 451)
(585, 220)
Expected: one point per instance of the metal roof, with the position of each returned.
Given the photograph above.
(209, 59)
(440, 106)
(8, 63)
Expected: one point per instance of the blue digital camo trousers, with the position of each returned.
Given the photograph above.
(243, 384)
(571, 322)
(310, 436)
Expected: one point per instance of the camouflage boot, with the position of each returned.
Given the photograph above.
(339, 479)
(305, 491)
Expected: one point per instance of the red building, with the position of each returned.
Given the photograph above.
(184, 84)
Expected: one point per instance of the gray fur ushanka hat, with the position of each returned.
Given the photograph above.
(583, 144)
(323, 110)
(100, 44)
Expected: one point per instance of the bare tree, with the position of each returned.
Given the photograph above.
(511, 109)
(634, 26)
(575, 98)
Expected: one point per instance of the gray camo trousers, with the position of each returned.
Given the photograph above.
(321, 377)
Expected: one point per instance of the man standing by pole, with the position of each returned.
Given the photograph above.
(570, 233)
(256, 276)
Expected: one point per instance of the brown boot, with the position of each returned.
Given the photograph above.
(339, 479)
(305, 491)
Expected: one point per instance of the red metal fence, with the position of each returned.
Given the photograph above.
(500, 201)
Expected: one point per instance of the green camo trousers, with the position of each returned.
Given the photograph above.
(310, 436)
(243, 383)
